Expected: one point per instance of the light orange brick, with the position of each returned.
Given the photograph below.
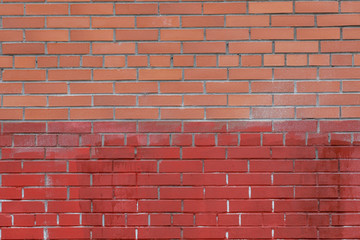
(136, 113)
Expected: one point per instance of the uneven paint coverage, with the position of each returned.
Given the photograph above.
(179, 120)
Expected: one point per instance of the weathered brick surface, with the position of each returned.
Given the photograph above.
(180, 179)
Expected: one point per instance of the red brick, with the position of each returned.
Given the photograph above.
(60, 233)
(225, 166)
(22, 233)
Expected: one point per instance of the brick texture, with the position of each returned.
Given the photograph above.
(180, 179)
(179, 119)
(179, 60)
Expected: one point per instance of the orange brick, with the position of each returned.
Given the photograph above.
(296, 47)
(11, 9)
(23, 22)
(45, 61)
(258, 87)
(224, 8)
(341, 60)
(114, 61)
(203, 21)
(248, 21)
(205, 100)
(184, 113)
(137, 61)
(206, 60)
(319, 59)
(227, 34)
(17, 101)
(339, 99)
(350, 112)
(228, 60)
(250, 73)
(272, 33)
(204, 47)
(92, 61)
(274, 60)
(250, 47)
(11, 35)
(180, 8)
(45, 88)
(113, 22)
(350, 6)
(250, 100)
(316, 7)
(69, 101)
(158, 22)
(357, 59)
(227, 87)
(295, 99)
(91, 9)
(11, 114)
(318, 112)
(113, 48)
(351, 33)
(69, 74)
(207, 74)
(317, 33)
(113, 100)
(183, 60)
(296, 59)
(91, 35)
(25, 62)
(6, 61)
(160, 74)
(323, 86)
(91, 113)
(251, 60)
(91, 88)
(136, 87)
(68, 22)
(227, 113)
(181, 34)
(46, 114)
(340, 46)
(69, 61)
(270, 7)
(330, 20)
(47, 9)
(159, 47)
(136, 35)
(273, 112)
(181, 87)
(295, 73)
(136, 113)
(46, 35)
(10, 88)
(23, 48)
(67, 1)
(23, 75)
(292, 20)
(114, 74)
(160, 61)
(339, 73)
(136, 9)
(68, 48)
(160, 100)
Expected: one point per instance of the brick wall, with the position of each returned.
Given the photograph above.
(179, 120)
